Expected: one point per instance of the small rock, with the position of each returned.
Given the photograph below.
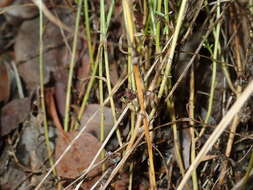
(93, 126)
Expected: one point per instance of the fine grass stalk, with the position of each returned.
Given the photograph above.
(71, 68)
(42, 90)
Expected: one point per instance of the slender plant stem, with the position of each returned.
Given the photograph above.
(42, 90)
(103, 29)
(71, 67)
(173, 47)
(191, 115)
(249, 169)
(214, 70)
(88, 32)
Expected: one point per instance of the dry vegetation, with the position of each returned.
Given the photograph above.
(123, 94)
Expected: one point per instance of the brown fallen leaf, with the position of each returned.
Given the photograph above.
(60, 97)
(51, 108)
(14, 113)
(4, 83)
(5, 3)
(61, 77)
(78, 157)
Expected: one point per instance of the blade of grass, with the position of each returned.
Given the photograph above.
(214, 69)
(101, 100)
(103, 40)
(90, 85)
(192, 123)
(88, 32)
(173, 47)
(71, 68)
(88, 90)
(42, 94)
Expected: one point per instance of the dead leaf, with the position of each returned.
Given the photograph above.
(5, 3)
(14, 113)
(51, 108)
(78, 157)
(61, 79)
(27, 48)
(93, 126)
(19, 10)
(83, 72)
(4, 83)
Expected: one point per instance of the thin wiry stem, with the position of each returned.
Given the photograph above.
(42, 90)
(103, 40)
(88, 32)
(173, 47)
(71, 68)
(191, 115)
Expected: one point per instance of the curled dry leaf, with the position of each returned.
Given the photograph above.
(60, 96)
(4, 83)
(78, 157)
(51, 109)
(61, 77)
(93, 126)
(14, 113)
